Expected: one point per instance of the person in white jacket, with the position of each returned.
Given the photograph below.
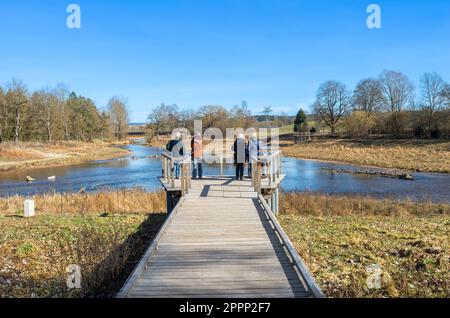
(254, 149)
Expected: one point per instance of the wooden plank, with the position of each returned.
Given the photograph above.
(188, 291)
(242, 275)
(221, 245)
(140, 266)
(227, 296)
(215, 281)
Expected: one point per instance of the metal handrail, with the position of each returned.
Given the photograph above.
(306, 276)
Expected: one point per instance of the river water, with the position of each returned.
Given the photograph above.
(138, 170)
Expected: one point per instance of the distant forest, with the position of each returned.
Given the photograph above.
(55, 114)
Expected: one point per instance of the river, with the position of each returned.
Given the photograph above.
(141, 170)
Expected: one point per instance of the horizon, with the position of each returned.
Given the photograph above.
(198, 53)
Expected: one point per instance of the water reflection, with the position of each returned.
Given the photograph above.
(141, 168)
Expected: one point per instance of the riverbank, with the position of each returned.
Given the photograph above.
(104, 233)
(39, 155)
(411, 155)
(339, 238)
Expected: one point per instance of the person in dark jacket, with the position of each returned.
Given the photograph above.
(176, 149)
(240, 156)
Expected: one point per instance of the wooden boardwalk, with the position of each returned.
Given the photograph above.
(221, 241)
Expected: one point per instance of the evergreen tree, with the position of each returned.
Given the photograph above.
(299, 120)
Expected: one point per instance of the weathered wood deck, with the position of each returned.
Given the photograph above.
(223, 241)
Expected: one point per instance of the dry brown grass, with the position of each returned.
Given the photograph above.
(119, 201)
(339, 237)
(426, 156)
(102, 235)
(36, 155)
(325, 205)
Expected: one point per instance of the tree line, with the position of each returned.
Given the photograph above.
(56, 114)
(388, 104)
(164, 118)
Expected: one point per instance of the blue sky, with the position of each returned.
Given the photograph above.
(194, 53)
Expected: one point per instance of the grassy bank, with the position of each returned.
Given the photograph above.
(37, 155)
(105, 234)
(414, 155)
(339, 237)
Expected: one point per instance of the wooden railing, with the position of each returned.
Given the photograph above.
(168, 171)
(305, 275)
(269, 166)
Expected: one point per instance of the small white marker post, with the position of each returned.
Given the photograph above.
(29, 208)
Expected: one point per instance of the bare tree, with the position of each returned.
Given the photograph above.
(119, 116)
(64, 112)
(368, 99)
(163, 116)
(446, 93)
(17, 100)
(3, 115)
(368, 96)
(332, 103)
(398, 91)
(267, 111)
(433, 95)
(45, 105)
(214, 116)
(240, 116)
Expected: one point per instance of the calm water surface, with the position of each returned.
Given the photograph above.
(302, 175)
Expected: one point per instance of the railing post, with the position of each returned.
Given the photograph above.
(182, 179)
(171, 173)
(253, 175)
(167, 168)
(278, 165)
(189, 176)
(221, 166)
(258, 178)
(163, 167)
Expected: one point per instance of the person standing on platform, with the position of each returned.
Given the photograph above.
(197, 156)
(240, 155)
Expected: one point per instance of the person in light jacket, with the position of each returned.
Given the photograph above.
(176, 149)
(197, 156)
(254, 150)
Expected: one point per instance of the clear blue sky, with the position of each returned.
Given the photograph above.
(193, 53)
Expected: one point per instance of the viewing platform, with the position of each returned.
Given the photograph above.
(221, 240)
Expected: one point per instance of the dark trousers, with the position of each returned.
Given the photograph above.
(239, 171)
(197, 170)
